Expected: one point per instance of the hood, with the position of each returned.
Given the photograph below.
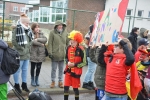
(3, 44)
(58, 22)
(143, 32)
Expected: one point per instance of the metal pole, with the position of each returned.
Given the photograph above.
(74, 13)
(134, 13)
(129, 25)
(3, 19)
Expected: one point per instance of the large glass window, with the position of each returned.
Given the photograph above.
(44, 14)
(58, 14)
(1, 6)
(35, 15)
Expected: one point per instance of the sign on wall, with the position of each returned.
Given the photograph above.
(108, 24)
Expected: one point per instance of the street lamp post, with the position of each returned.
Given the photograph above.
(134, 13)
(3, 19)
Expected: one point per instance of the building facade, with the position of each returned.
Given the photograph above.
(12, 10)
(79, 20)
(142, 14)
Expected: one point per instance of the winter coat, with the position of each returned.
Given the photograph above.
(24, 52)
(57, 43)
(133, 39)
(99, 76)
(37, 50)
(3, 78)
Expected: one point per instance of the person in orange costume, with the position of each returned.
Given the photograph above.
(75, 60)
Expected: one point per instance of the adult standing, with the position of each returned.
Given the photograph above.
(57, 44)
(21, 39)
(133, 39)
(37, 53)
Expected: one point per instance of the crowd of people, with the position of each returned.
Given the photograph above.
(108, 63)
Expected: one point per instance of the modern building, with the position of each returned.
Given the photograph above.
(142, 14)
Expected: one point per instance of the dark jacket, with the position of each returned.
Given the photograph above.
(99, 76)
(133, 39)
(3, 78)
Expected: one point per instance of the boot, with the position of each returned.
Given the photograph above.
(60, 84)
(32, 81)
(24, 87)
(91, 84)
(37, 80)
(52, 84)
(17, 87)
(86, 86)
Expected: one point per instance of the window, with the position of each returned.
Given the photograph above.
(30, 16)
(140, 13)
(129, 12)
(44, 14)
(22, 9)
(58, 14)
(15, 8)
(1, 6)
(149, 14)
(36, 15)
(1, 14)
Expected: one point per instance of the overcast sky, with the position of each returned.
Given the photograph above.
(23, 1)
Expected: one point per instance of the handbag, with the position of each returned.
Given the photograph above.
(46, 51)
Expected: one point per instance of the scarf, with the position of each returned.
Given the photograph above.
(21, 34)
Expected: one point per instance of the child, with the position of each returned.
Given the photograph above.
(76, 59)
(117, 65)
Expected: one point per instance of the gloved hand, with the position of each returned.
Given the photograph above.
(51, 57)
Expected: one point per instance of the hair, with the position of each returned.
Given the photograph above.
(134, 29)
(128, 43)
(34, 25)
(24, 18)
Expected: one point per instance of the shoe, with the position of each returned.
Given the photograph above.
(17, 87)
(37, 80)
(60, 85)
(91, 84)
(52, 85)
(86, 86)
(24, 87)
(32, 81)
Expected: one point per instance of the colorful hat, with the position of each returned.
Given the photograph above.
(76, 35)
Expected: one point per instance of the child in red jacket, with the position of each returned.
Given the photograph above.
(76, 59)
(117, 65)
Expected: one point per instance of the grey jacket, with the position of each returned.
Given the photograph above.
(37, 50)
(3, 78)
(99, 76)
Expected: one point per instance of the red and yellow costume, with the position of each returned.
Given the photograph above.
(77, 56)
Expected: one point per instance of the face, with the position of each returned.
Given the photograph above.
(25, 22)
(73, 43)
(143, 57)
(37, 29)
(86, 41)
(137, 32)
(118, 49)
(60, 27)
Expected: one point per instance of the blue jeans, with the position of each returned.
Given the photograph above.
(24, 68)
(116, 98)
(90, 71)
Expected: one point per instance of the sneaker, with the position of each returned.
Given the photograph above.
(86, 86)
(60, 85)
(17, 88)
(52, 85)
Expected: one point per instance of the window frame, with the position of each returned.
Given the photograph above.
(141, 14)
(22, 9)
(1, 5)
(15, 8)
(127, 12)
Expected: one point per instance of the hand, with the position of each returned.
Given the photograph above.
(93, 47)
(35, 39)
(70, 65)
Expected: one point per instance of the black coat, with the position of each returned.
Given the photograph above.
(133, 39)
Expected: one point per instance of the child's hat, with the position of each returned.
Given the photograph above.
(76, 35)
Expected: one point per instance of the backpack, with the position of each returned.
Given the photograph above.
(11, 61)
(39, 95)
